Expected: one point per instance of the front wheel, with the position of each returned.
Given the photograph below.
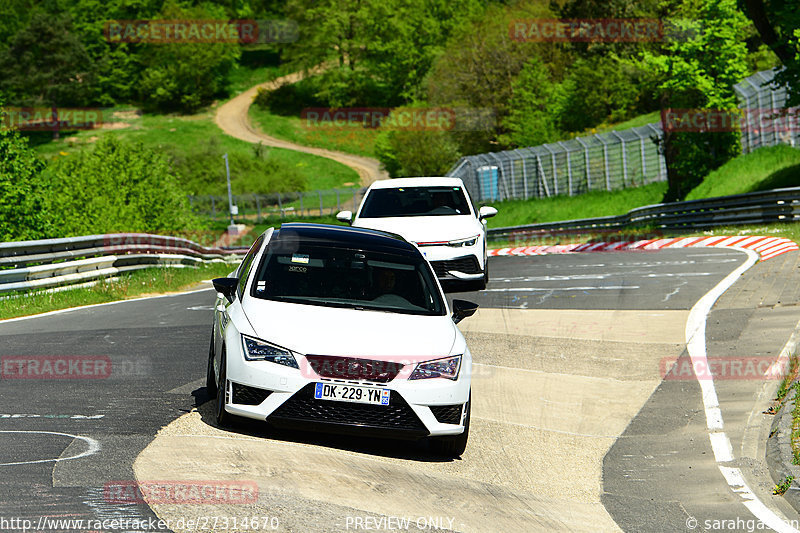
(222, 416)
(453, 445)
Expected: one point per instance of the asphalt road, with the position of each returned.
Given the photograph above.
(63, 440)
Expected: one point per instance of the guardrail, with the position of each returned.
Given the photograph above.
(778, 205)
(47, 263)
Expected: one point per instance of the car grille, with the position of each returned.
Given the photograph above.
(447, 414)
(467, 265)
(396, 416)
(244, 395)
(350, 368)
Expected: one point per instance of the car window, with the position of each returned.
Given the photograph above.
(338, 277)
(415, 201)
(247, 263)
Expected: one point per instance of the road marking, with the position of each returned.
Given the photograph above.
(68, 417)
(720, 443)
(538, 289)
(93, 447)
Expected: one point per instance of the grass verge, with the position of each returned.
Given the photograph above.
(589, 205)
(130, 285)
(183, 137)
(352, 138)
(771, 167)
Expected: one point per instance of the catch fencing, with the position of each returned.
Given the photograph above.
(613, 160)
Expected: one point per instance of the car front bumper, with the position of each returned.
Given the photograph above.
(283, 396)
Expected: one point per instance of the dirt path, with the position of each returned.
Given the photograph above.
(232, 118)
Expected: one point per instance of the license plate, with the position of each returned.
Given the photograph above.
(349, 393)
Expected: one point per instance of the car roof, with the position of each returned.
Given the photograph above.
(345, 237)
(417, 182)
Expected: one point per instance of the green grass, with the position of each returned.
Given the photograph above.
(186, 133)
(353, 138)
(766, 168)
(589, 205)
(635, 122)
(138, 283)
(242, 78)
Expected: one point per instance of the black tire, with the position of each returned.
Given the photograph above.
(453, 445)
(211, 379)
(222, 416)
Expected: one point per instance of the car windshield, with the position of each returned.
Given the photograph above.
(415, 201)
(341, 277)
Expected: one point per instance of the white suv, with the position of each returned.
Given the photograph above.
(437, 215)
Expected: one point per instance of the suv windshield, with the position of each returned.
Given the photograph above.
(414, 202)
(340, 277)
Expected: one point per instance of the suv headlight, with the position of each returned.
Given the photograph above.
(258, 350)
(440, 368)
(464, 242)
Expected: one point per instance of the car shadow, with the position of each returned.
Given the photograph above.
(397, 449)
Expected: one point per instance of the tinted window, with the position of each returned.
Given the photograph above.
(247, 263)
(317, 274)
(415, 201)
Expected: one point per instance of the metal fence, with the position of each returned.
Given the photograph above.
(760, 99)
(295, 204)
(613, 160)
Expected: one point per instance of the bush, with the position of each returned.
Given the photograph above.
(115, 187)
(416, 153)
(21, 215)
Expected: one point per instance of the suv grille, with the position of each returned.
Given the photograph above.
(350, 368)
(447, 414)
(302, 406)
(467, 265)
(244, 395)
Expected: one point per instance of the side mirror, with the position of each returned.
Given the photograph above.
(345, 216)
(227, 287)
(486, 212)
(463, 309)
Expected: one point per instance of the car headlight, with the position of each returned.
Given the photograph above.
(464, 242)
(258, 350)
(440, 368)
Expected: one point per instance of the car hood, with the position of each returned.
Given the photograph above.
(312, 329)
(426, 229)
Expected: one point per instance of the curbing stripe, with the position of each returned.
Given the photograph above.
(767, 247)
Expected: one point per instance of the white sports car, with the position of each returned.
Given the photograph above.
(341, 329)
(437, 215)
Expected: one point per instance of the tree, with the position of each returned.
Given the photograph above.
(185, 76)
(531, 119)
(699, 72)
(45, 64)
(778, 24)
(378, 51)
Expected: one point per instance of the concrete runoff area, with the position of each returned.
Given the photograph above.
(552, 390)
